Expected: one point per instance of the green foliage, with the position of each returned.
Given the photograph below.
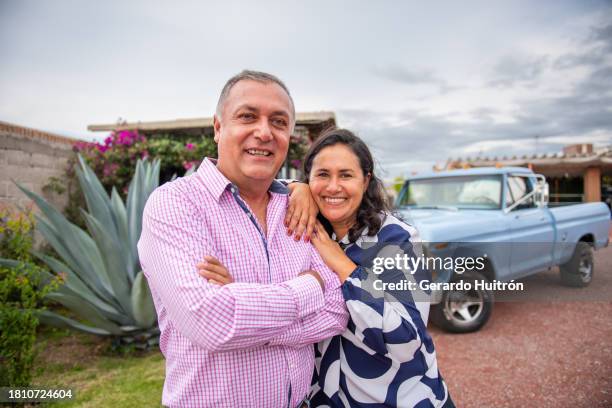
(113, 163)
(23, 285)
(298, 147)
(398, 183)
(103, 283)
(113, 160)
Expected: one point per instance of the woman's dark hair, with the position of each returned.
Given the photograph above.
(374, 200)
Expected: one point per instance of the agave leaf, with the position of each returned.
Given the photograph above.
(85, 274)
(65, 237)
(115, 269)
(142, 302)
(89, 258)
(103, 282)
(85, 311)
(74, 283)
(120, 217)
(135, 206)
(63, 322)
(95, 195)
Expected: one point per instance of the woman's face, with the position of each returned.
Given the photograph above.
(337, 183)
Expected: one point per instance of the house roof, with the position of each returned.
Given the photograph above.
(601, 156)
(302, 118)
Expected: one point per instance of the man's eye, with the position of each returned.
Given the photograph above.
(246, 116)
(281, 123)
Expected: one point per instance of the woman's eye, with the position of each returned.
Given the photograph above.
(346, 175)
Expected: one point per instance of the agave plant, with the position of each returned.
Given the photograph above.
(103, 283)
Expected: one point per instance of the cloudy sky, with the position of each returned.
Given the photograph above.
(419, 82)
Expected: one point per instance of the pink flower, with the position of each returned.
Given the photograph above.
(187, 165)
(145, 154)
(82, 146)
(101, 148)
(108, 140)
(189, 146)
(110, 169)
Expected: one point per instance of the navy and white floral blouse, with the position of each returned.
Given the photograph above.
(386, 357)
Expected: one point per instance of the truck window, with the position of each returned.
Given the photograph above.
(479, 192)
(519, 187)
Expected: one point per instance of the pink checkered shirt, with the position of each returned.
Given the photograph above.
(248, 343)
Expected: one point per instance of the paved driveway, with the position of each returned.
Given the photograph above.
(555, 351)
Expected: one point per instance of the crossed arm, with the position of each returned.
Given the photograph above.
(237, 315)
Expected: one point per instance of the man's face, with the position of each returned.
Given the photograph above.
(253, 132)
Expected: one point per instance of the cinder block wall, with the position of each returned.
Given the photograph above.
(30, 157)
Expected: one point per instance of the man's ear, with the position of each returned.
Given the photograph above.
(217, 128)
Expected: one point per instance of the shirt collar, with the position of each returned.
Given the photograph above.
(217, 183)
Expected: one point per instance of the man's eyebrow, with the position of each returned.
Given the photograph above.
(246, 107)
(280, 113)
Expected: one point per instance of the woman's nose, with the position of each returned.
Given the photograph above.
(333, 185)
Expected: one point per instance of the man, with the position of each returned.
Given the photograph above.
(247, 343)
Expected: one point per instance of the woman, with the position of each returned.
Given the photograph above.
(386, 356)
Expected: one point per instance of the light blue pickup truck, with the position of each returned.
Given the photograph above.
(500, 215)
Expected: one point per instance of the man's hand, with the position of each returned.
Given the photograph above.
(316, 275)
(302, 212)
(214, 271)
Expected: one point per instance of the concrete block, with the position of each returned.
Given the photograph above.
(13, 192)
(43, 160)
(4, 188)
(19, 158)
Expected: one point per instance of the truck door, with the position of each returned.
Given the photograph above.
(531, 229)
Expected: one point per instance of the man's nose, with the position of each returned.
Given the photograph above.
(263, 131)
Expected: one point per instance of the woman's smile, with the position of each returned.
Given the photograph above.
(335, 200)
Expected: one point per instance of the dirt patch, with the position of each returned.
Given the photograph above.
(68, 349)
(536, 354)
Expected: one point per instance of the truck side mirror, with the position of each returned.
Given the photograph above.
(541, 193)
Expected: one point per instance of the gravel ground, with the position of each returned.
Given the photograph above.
(551, 352)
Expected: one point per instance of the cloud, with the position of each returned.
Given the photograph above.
(513, 70)
(415, 139)
(596, 49)
(413, 76)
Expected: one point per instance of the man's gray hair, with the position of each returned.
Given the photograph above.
(251, 76)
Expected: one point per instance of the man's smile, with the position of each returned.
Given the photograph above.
(259, 152)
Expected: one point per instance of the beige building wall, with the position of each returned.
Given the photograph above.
(30, 157)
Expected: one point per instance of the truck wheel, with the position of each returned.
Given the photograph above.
(463, 311)
(578, 271)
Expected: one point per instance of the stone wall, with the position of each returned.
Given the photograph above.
(30, 157)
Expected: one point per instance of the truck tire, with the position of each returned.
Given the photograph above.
(463, 311)
(578, 271)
